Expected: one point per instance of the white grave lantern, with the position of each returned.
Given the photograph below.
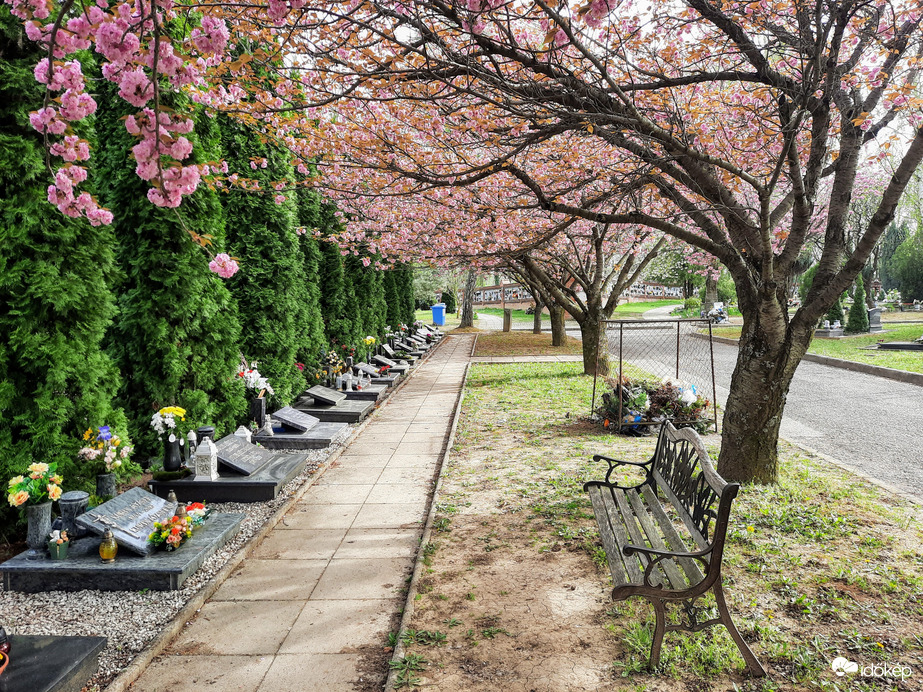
(243, 432)
(206, 461)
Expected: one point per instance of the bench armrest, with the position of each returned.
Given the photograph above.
(615, 463)
(631, 549)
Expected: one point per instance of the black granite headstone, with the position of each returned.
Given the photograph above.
(387, 350)
(258, 411)
(51, 664)
(296, 420)
(242, 456)
(131, 517)
(325, 395)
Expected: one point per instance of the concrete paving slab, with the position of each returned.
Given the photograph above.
(431, 446)
(336, 494)
(320, 517)
(237, 628)
(402, 474)
(300, 544)
(362, 579)
(390, 516)
(338, 627)
(399, 492)
(379, 543)
(272, 580)
(358, 475)
(312, 673)
(413, 461)
(376, 428)
(216, 673)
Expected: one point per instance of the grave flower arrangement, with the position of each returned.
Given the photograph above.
(253, 380)
(369, 343)
(196, 514)
(166, 419)
(170, 534)
(646, 402)
(383, 370)
(42, 483)
(332, 362)
(105, 448)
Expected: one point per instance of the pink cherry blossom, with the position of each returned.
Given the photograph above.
(223, 265)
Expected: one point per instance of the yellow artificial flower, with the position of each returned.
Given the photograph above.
(16, 480)
(18, 499)
(86, 435)
(56, 479)
(54, 491)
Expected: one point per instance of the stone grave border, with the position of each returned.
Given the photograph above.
(172, 629)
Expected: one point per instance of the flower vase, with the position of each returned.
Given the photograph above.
(105, 484)
(58, 551)
(172, 459)
(39, 521)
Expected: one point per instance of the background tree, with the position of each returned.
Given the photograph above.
(906, 267)
(858, 322)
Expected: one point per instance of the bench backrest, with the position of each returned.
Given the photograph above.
(683, 470)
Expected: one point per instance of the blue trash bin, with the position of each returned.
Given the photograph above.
(438, 314)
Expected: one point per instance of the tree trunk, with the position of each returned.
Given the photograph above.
(753, 414)
(558, 335)
(711, 293)
(537, 317)
(595, 346)
(467, 316)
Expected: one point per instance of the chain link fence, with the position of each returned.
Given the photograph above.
(651, 351)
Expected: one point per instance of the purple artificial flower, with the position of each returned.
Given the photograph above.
(104, 434)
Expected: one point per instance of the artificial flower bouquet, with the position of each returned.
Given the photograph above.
(197, 513)
(170, 534)
(102, 445)
(253, 380)
(166, 419)
(42, 483)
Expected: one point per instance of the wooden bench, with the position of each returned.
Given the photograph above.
(647, 555)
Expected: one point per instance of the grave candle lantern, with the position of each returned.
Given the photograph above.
(108, 547)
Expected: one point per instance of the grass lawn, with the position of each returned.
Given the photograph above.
(518, 315)
(856, 348)
(514, 593)
(629, 311)
(524, 344)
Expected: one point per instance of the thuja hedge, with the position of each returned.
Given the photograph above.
(55, 301)
(176, 336)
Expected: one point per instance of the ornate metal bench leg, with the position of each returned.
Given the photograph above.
(659, 629)
(753, 665)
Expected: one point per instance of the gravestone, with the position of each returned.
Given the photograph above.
(131, 517)
(381, 360)
(875, 320)
(296, 420)
(325, 395)
(388, 351)
(258, 411)
(367, 369)
(241, 456)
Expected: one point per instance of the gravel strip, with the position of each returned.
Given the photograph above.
(132, 619)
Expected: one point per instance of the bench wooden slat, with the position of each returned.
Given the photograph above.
(681, 511)
(609, 536)
(636, 536)
(674, 576)
(690, 566)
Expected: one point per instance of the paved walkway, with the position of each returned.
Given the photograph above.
(312, 606)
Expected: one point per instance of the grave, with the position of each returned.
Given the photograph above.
(392, 355)
(370, 392)
(51, 664)
(377, 378)
(293, 429)
(395, 368)
(413, 349)
(422, 343)
(331, 406)
(875, 321)
(131, 518)
(246, 473)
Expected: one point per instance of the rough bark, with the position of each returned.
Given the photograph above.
(467, 316)
(753, 413)
(595, 347)
(537, 318)
(711, 293)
